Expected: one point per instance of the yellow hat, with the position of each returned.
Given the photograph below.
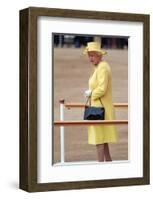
(94, 46)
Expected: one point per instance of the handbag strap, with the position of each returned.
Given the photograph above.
(89, 99)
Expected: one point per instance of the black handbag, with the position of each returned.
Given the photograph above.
(93, 113)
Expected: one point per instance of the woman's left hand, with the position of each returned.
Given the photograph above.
(87, 93)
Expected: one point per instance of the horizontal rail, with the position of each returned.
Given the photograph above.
(81, 105)
(90, 122)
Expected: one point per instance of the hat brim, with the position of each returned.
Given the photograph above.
(85, 52)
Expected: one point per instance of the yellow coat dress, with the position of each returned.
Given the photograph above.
(100, 83)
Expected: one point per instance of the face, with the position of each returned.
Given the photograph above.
(94, 57)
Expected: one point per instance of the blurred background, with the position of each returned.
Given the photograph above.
(71, 71)
(78, 41)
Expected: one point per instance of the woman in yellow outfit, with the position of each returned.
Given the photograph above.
(100, 86)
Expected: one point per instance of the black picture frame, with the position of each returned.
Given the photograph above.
(28, 98)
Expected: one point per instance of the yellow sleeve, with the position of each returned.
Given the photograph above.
(102, 78)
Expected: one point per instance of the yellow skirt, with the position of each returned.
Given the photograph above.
(102, 134)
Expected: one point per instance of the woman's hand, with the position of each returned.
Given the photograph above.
(87, 93)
